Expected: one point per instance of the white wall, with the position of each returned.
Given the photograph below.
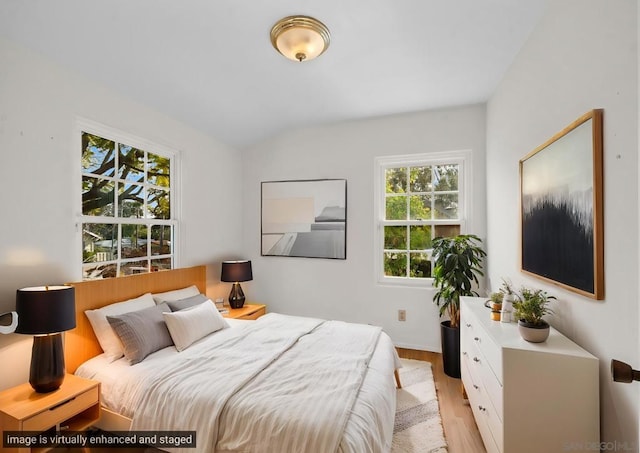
(347, 289)
(582, 55)
(40, 183)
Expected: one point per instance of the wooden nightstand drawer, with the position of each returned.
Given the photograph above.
(248, 311)
(62, 411)
(255, 314)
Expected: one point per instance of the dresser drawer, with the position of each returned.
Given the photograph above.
(484, 377)
(467, 378)
(482, 409)
(495, 426)
(493, 387)
(486, 416)
(63, 411)
(486, 347)
(467, 361)
(468, 333)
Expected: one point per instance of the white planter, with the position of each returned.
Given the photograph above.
(534, 333)
(507, 308)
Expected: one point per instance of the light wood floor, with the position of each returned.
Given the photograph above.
(460, 428)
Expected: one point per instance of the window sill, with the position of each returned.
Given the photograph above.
(403, 282)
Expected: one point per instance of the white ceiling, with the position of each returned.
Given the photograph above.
(210, 64)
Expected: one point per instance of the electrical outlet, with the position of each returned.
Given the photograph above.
(402, 315)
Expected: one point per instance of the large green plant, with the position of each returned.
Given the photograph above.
(532, 305)
(457, 263)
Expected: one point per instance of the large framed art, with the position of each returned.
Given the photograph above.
(305, 218)
(561, 198)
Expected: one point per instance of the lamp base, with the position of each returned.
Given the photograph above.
(236, 297)
(47, 363)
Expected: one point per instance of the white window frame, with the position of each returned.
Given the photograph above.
(110, 133)
(462, 158)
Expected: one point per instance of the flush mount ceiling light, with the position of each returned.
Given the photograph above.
(300, 38)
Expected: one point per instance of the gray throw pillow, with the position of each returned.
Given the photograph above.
(177, 305)
(142, 332)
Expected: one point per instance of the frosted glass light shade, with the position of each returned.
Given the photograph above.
(300, 38)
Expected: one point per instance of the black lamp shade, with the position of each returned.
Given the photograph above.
(45, 309)
(236, 271)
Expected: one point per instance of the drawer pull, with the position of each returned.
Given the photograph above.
(477, 360)
(482, 408)
(53, 408)
(476, 338)
(468, 325)
(464, 352)
(476, 387)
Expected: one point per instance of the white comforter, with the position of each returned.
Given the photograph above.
(279, 384)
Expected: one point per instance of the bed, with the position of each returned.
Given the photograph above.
(280, 383)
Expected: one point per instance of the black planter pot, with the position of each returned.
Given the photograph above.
(450, 337)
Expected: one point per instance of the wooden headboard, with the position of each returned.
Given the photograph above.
(81, 343)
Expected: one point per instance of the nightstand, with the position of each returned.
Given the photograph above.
(248, 311)
(75, 406)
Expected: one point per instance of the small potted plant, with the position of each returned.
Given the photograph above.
(496, 300)
(495, 303)
(529, 309)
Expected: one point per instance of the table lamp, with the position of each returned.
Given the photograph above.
(45, 312)
(236, 272)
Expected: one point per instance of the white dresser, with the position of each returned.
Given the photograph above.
(527, 397)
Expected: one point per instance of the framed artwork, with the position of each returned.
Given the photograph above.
(561, 208)
(306, 218)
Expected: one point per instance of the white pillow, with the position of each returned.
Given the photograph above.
(176, 294)
(187, 326)
(109, 341)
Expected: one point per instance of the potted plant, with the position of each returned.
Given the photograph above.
(495, 303)
(529, 309)
(457, 263)
(496, 300)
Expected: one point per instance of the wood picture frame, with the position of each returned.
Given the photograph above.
(561, 208)
(304, 218)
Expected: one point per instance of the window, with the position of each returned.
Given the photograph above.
(128, 205)
(419, 197)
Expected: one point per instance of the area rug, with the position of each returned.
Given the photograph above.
(418, 426)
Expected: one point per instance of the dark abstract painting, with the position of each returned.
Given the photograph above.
(561, 208)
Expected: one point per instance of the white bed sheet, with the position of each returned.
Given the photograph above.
(116, 377)
(374, 406)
